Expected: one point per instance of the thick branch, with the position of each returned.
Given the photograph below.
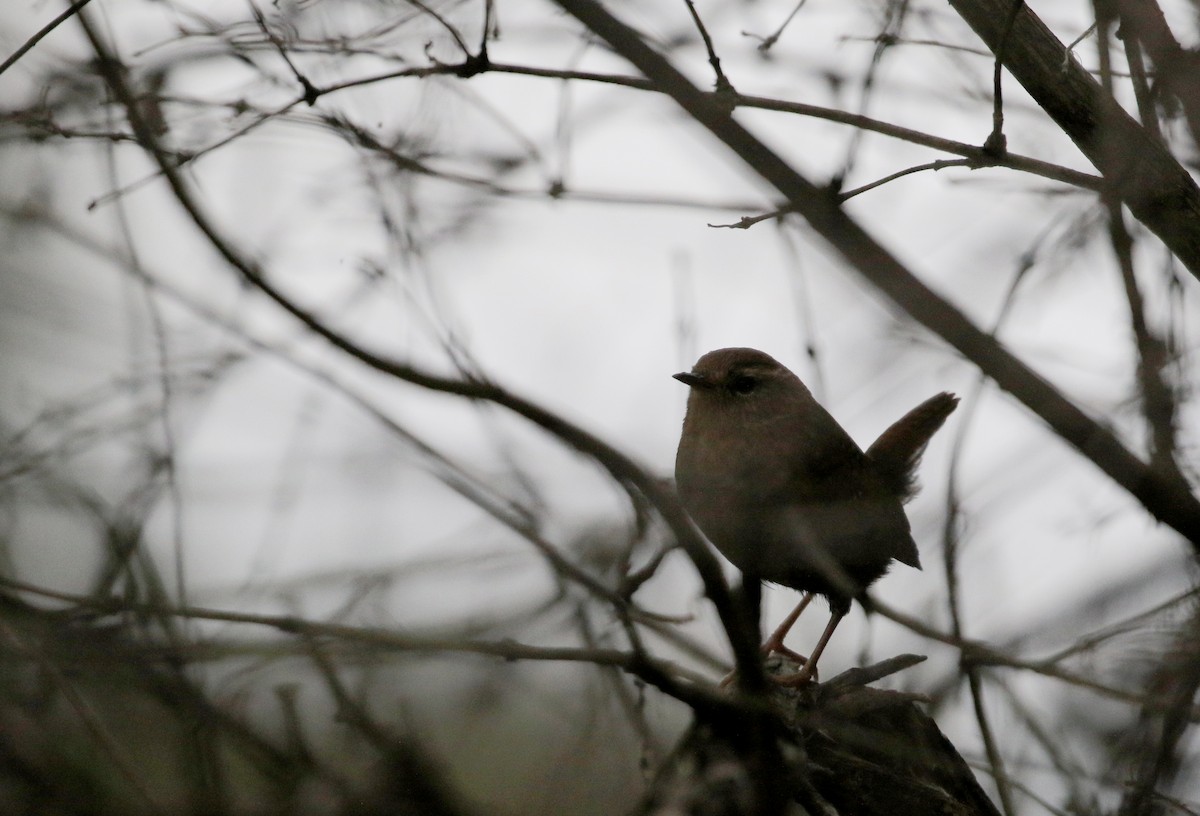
(1143, 173)
(1168, 500)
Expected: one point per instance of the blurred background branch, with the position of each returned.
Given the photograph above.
(236, 238)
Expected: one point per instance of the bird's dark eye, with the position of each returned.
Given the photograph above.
(743, 384)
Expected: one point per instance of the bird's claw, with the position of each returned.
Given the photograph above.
(769, 649)
(798, 680)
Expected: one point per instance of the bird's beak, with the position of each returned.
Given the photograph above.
(692, 380)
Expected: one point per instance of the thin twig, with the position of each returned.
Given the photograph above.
(722, 85)
(310, 92)
(767, 43)
(983, 654)
(970, 668)
(996, 141)
(41, 33)
(749, 221)
(1158, 402)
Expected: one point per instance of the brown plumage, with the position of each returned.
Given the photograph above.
(782, 490)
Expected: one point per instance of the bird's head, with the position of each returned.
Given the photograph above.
(742, 380)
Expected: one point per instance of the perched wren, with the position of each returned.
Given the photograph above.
(785, 494)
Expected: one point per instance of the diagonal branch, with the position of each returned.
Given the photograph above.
(1142, 172)
(1167, 499)
(636, 480)
(28, 45)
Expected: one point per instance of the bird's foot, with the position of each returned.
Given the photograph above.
(772, 669)
(776, 647)
(798, 680)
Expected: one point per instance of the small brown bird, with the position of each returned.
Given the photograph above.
(783, 491)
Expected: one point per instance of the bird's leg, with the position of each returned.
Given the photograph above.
(810, 666)
(774, 643)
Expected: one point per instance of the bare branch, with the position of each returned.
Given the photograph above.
(1166, 499)
(1148, 179)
